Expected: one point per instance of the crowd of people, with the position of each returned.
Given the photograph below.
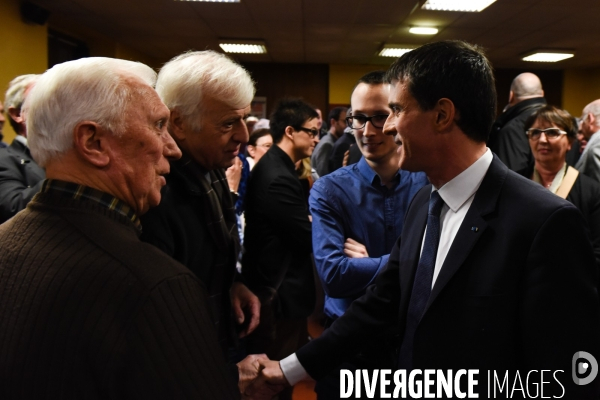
(159, 242)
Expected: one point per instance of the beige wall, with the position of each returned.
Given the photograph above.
(24, 50)
(581, 87)
(342, 79)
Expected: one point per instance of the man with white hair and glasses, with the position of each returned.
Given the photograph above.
(87, 310)
(209, 98)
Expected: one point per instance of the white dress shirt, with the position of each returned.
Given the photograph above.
(458, 195)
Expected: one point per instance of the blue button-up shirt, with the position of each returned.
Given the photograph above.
(352, 203)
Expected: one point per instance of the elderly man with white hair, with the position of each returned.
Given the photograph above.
(209, 97)
(20, 176)
(87, 310)
(589, 162)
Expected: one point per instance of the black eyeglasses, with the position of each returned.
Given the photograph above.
(359, 121)
(551, 133)
(312, 132)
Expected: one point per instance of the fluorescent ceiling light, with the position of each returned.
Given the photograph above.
(457, 5)
(423, 30)
(547, 57)
(214, 1)
(243, 47)
(394, 50)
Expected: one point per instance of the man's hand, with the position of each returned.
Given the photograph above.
(249, 369)
(270, 381)
(242, 299)
(353, 249)
(234, 174)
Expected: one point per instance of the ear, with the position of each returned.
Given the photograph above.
(251, 150)
(289, 132)
(176, 126)
(445, 113)
(511, 96)
(91, 143)
(15, 114)
(592, 119)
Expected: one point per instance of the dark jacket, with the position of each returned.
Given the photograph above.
(97, 314)
(508, 139)
(179, 227)
(519, 279)
(20, 179)
(278, 238)
(339, 148)
(585, 195)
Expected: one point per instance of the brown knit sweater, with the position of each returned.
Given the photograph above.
(89, 311)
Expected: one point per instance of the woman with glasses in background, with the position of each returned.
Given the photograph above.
(259, 143)
(551, 132)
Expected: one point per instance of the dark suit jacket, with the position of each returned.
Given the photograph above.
(20, 179)
(337, 154)
(278, 236)
(179, 227)
(515, 292)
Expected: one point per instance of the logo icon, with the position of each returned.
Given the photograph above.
(584, 364)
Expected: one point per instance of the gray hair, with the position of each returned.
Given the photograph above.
(594, 109)
(185, 81)
(15, 95)
(88, 89)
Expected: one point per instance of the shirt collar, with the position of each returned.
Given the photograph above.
(460, 189)
(80, 192)
(22, 139)
(367, 172)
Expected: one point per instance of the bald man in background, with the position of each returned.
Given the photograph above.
(507, 138)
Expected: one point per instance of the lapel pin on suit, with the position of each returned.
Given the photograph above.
(474, 229)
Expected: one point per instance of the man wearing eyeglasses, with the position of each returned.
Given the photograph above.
(277, 264)
(350, 244)
(589, 162)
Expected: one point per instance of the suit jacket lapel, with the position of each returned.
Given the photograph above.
(472, 227)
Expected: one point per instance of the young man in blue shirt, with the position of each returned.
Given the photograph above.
(358, 213)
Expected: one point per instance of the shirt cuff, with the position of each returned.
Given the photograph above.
(293, 371)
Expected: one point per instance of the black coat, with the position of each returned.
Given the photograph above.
(20, 179)
(517, 293)
(178, 227)
(278, 238)
(508, 139)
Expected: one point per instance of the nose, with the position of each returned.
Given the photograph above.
(170, 149)
(241, 134)
(370, 129)
(389, 128)
(543, 137)
(316, 139)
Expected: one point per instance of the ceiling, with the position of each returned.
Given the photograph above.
(341, 32)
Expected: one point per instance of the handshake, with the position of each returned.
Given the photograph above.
(260, 378)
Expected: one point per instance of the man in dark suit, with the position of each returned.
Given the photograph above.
(20, 176)
(491, 272)
(277, 264)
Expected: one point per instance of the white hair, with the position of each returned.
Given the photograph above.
(594, 109)
(185, 81)
(15, 95)
(89, 89)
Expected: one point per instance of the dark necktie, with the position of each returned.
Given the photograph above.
(423, 278)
